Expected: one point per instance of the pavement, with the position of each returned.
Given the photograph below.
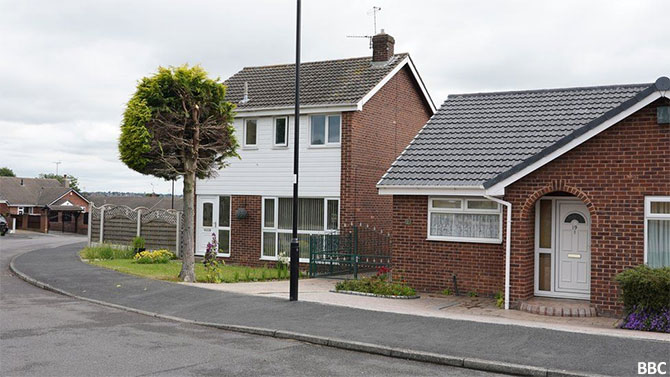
(47, 334)
(479, 309)
(479, 344)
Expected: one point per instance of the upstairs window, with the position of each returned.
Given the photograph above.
(250, 132)
(464, 220)
(325, 129)
(280, 132)
(657, 231)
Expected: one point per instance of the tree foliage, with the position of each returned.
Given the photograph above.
(7, 172)
(74, 182)
(177, 114)
(178, 123)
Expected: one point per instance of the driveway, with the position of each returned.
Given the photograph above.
(47, 334)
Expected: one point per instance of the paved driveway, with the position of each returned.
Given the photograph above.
(47, 334)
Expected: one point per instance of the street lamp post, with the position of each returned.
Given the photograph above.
(295, 247)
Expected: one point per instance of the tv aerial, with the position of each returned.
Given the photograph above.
(372, 12)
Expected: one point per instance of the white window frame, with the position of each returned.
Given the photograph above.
(244, 136)
(652, 216)
(228, 228)
(278, 231)
(20, 210)
(274, 133)
(465, 210)
(327, 143)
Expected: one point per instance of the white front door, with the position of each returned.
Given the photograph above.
(207, 216)
(573, 267)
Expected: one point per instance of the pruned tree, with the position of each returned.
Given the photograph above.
(178, 123)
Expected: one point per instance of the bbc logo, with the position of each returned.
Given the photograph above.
(652, 368)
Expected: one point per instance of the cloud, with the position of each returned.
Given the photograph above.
(68, 67)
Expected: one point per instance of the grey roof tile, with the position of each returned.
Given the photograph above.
(344, 81)
(474, 138)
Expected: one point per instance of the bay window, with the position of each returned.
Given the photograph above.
(657, 231)
(315, 216)
(464, 220)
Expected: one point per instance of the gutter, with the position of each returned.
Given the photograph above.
(508, 246)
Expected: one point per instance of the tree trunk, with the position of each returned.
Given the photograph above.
(187, 273)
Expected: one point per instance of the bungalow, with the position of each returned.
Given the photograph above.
(43, 204)
(546, 193)
(357, 114)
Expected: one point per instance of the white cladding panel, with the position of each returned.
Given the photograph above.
(268, 170)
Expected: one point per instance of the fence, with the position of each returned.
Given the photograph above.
(354, 249)
(118, 225)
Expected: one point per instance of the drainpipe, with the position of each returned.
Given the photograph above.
(508, 247)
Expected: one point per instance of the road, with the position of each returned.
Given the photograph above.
(47, 334)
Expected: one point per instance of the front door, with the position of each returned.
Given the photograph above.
(573, 265)
(207, 216)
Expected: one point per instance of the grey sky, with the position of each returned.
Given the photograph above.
(68, 67)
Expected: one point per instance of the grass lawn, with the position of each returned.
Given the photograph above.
(170, 271)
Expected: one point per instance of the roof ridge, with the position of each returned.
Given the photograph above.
(316, 61)
(550, 90)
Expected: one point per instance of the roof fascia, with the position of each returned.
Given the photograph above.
(289, 110)
(389, 76)
(432, 190)
(497, 185)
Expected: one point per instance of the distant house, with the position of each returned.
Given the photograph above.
(149, 202)
(43, 205)
(357, 114)
(583, 172)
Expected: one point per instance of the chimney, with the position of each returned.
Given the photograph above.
(66, 181)
(382, 47)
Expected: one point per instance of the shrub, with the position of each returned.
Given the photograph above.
(156, 256)
(376, 285)
(106, 251)
(138, 243)
(645, 288)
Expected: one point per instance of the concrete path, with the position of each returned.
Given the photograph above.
(46, 334)
(543, 348)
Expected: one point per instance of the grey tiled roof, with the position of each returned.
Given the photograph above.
(475, 139)
(343, 81)
(33, 191)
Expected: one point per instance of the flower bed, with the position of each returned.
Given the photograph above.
(379, 285)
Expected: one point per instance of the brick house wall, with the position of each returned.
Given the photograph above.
(611, 173)
(69, 226)
(430, 265)
(245, 242)
(371, 141)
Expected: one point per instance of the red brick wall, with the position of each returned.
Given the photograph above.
(82, 226)
(430, 265)
(245, 243)
(371, 141)
(611, 173)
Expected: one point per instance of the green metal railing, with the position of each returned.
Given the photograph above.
(353, 250)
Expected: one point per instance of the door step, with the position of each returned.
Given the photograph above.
(558, 307)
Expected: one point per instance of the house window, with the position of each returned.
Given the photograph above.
(19, 211)
(325, 129)
(657, 231)
(250, 132)
(281, 132)
(66, 217)
(53, 217)
(315, 216)
(464, 220)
